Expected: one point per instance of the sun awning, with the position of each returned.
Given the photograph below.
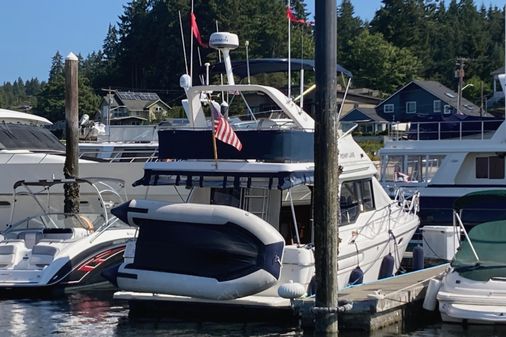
(270, 65)
(230, 179)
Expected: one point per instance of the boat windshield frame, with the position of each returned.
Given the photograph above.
(109, 191)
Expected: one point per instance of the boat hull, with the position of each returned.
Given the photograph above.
(71, 269)
(469, 301)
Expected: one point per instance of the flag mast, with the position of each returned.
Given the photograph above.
(289, 93)
(191, 44)
(182, 40)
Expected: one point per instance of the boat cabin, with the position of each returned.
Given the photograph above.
(279, 193)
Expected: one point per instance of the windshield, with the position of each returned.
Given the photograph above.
(62, 225)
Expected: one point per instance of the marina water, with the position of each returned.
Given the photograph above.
(97, 314)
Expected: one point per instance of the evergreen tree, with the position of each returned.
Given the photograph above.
(378, 64)
(348, 27)
(51, 100)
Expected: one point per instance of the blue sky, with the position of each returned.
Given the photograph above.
(33, 30)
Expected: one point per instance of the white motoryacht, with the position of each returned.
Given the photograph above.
(443, 169)
(52, 252)
(29, 151)
(244, 238)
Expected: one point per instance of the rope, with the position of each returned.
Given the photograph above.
(346, 306)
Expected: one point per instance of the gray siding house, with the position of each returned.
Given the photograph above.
(420, 101)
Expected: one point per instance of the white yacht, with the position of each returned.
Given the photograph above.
(52, 252)
(29, 151)
(244, 238)
(443, 169)
(473, 290)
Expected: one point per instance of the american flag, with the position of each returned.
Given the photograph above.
(222, 129)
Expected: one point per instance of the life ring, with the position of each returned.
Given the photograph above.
(88, 225)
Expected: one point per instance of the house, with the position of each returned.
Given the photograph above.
(132, 108)
(420, 101)
(367, 119)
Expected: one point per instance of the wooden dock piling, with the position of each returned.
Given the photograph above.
(326, 211)
(71, 167)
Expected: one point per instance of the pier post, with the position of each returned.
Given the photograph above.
(71, 168)
(326, 210)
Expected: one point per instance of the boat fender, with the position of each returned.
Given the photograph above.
(387, 267)
(430, 300)
(356, 276)
(291, 290)
(418, 258)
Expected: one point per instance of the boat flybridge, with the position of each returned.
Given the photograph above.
(51, 251)
(244, 238)
(444, 169)
(473, 289)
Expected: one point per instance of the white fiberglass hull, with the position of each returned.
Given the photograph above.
(57, 265)
(465, 300)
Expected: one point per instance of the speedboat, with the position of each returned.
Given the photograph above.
(473, 289)
(244, 238)
(442, 170)
(52, 252)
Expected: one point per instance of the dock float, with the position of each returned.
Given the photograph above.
(377, 304)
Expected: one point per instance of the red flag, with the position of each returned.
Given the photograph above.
(222, 129)
(195, 30)
(292, 17)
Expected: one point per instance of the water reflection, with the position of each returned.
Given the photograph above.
(97, 314)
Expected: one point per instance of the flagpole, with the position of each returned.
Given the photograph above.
(289, 53)
(191, 47)
(301, 69)
(215, 148)
(182, 40)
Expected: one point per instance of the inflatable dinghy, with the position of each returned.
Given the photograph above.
(205, 251)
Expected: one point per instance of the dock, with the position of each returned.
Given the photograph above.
(378, 304)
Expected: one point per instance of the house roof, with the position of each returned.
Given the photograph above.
(446, 95)
(135, 101)
(361, 114)
(498, 71)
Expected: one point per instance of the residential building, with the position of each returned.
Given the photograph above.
(132, 108)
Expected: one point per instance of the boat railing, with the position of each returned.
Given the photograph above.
(37, 157)
(121, 155)
(437, 130)
(389, 216)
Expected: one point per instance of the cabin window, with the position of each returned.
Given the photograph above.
(437, 106)
(447, 110)
(366, 195)
(490, 167)
(388, 108)
(390, 167)
(356, 197)
(411, 107)
(226, 196)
